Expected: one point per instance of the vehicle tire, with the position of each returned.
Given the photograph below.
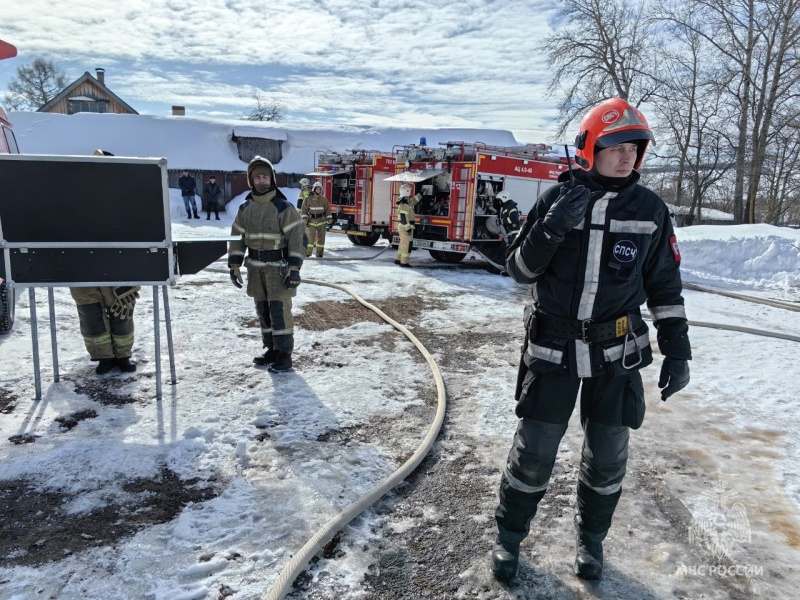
(354, 239)
(447, 257)
(370, 239)
(6, 309)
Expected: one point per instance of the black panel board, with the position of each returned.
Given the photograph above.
(85, 265)
(194, 256)
(92, 200)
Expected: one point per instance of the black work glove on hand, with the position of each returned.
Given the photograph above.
(292, 279)
(674, 376)
(566, 212)
(126, 296)
(236, 277)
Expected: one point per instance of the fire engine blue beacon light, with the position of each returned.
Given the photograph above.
(423, 141)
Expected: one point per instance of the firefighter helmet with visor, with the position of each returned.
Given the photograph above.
(611, 122)
(503, 196)
(317, 185)
(405, 191)
(304, 182)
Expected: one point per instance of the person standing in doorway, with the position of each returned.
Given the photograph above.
(212, 195)
(188, 188)
(595, 248)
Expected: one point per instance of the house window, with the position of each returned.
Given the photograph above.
(94, 106)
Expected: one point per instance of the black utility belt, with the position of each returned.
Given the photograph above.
(587, 330)
(265, 255)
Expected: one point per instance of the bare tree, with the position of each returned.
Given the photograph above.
(604, 50)
(757, 42)
(35, 85)
(264, 110)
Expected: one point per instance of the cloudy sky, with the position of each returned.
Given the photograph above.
(371, 62)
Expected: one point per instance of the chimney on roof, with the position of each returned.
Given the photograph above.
(101, 75)
(178, 111)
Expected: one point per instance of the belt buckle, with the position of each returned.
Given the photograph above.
(584, 330)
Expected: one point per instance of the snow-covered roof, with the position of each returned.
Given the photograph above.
(707, 214)
(207, 144)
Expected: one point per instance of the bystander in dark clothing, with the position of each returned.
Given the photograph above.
(212, 195)
(188, 189)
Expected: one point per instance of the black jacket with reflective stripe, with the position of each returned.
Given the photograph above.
(623, 255)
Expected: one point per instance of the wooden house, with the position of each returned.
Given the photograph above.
(88, 94)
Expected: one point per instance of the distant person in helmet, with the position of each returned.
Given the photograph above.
(305, 191)
(508, 214)
(271, 248)
(594, 248)
(406, 223)
(316, 214)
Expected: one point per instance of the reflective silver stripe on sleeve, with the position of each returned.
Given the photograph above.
(297, 255)
(583, 359)
(235, 253)
(292, 226)
(522, 487)
(646, 227)
(239, 228)
(544, 353)
(520, 264)
(615, 352)
(665, 312)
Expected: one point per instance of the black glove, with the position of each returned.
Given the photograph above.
(236, 277)
(292, 279)
(125, 300)
(674, 376)
(566, 212)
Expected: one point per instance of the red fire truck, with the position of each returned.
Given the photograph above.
(458, 183)
(355, 184)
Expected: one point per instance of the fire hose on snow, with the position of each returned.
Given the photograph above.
(287, 576)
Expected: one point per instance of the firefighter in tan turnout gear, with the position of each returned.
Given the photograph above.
(271, 248)
(316, 213)
(405, 226)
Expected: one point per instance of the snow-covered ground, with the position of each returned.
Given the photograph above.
(280, 454)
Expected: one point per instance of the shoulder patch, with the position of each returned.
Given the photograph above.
(673, 244)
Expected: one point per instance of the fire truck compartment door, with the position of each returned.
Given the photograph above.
(416, 176)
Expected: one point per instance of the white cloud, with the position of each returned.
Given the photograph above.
(471, 63)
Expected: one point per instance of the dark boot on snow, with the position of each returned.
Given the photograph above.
(125, 365)
(104, 365)
(589, 555)
(505, 561)
(282, 364)
(269, 357)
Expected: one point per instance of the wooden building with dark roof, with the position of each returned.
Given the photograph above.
(88, 94)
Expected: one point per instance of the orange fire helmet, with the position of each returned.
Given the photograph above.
(611, 122)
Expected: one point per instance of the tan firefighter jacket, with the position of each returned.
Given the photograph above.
(267, 223)
(405, 214)
(316, 210)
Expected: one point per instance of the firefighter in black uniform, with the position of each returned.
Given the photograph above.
(595, 249)
(508, 214)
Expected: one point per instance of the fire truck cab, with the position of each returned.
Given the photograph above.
(458, 184)
(355, 184)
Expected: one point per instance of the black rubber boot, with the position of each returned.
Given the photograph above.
(282, 364)
(196, 216)
(104, 365)
(269, 357)
(505, 560)
(514, 515)
(125, 365)
(592, 522)
(589, 555)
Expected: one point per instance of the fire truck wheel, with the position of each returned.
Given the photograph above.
(355, 239)
(6, 309)
(448, 257)
(370, 240)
